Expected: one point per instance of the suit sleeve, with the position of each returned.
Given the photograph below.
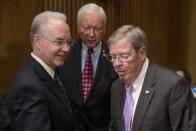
(30, 109)
(182, 110)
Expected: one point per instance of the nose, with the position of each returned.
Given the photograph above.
(117, 62)
(92, 32)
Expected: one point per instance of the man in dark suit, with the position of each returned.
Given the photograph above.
(93, 104)
(36, 101)
(147, 96)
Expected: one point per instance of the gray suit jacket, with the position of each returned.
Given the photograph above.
(169, 105)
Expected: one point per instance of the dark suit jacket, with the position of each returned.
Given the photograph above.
(169, 105)
(4, 118)
(36, 103)
(94, 115)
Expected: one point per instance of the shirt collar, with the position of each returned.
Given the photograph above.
(140, 79)
(96, 50)
(44, 65)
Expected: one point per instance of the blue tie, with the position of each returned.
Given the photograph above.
(128, 108)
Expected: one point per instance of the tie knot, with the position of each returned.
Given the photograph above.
(129, 89)
(90, 51)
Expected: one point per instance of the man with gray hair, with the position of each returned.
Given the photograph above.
(37, 100)
(87, 73)
(147, 96)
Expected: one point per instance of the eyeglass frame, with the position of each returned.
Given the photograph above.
(122, 57)
(59, 43)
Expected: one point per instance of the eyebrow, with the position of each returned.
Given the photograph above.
(60, 38)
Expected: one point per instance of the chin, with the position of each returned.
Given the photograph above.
(124, 79)
(60, 63)
(92, 45)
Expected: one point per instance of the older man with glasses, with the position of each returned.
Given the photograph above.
(37, 100)
(147, 96)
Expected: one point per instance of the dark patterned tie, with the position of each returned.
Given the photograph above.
(87, 75)
(62, 89)
(128, 108)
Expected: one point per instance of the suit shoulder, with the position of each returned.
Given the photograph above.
(164, 72)
(25, 77)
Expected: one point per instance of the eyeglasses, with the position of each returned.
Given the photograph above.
(60, 42)
(124, 57)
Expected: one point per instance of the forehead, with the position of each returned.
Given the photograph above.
(91, 19)
(120, 46)
(58, 27)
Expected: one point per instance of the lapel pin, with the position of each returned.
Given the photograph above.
(104, 53)
(147, 91)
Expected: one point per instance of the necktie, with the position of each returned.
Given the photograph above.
(63, 91)
(128, 108)
(87, 75)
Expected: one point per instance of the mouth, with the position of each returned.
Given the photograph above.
(91, 41)
(121, 73)
(62, 56)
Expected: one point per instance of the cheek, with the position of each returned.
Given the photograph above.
(100, 35)
(133, 65)
(83, 35)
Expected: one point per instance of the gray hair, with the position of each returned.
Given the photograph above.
(91, 7)
(40, 22)
(135, 35)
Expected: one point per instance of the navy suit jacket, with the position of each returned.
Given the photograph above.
(36, 103)
(165, 103)
(94, 114)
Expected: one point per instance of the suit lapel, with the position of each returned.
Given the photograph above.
(145, 98)
(48, 81)
(100, 66)
(121, 102)
(54, 87)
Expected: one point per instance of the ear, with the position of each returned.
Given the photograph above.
(104, 30)
(37, 42)
(142, 53)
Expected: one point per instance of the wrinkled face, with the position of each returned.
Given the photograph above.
(126, 61)
(91, 28)
(52, 46)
